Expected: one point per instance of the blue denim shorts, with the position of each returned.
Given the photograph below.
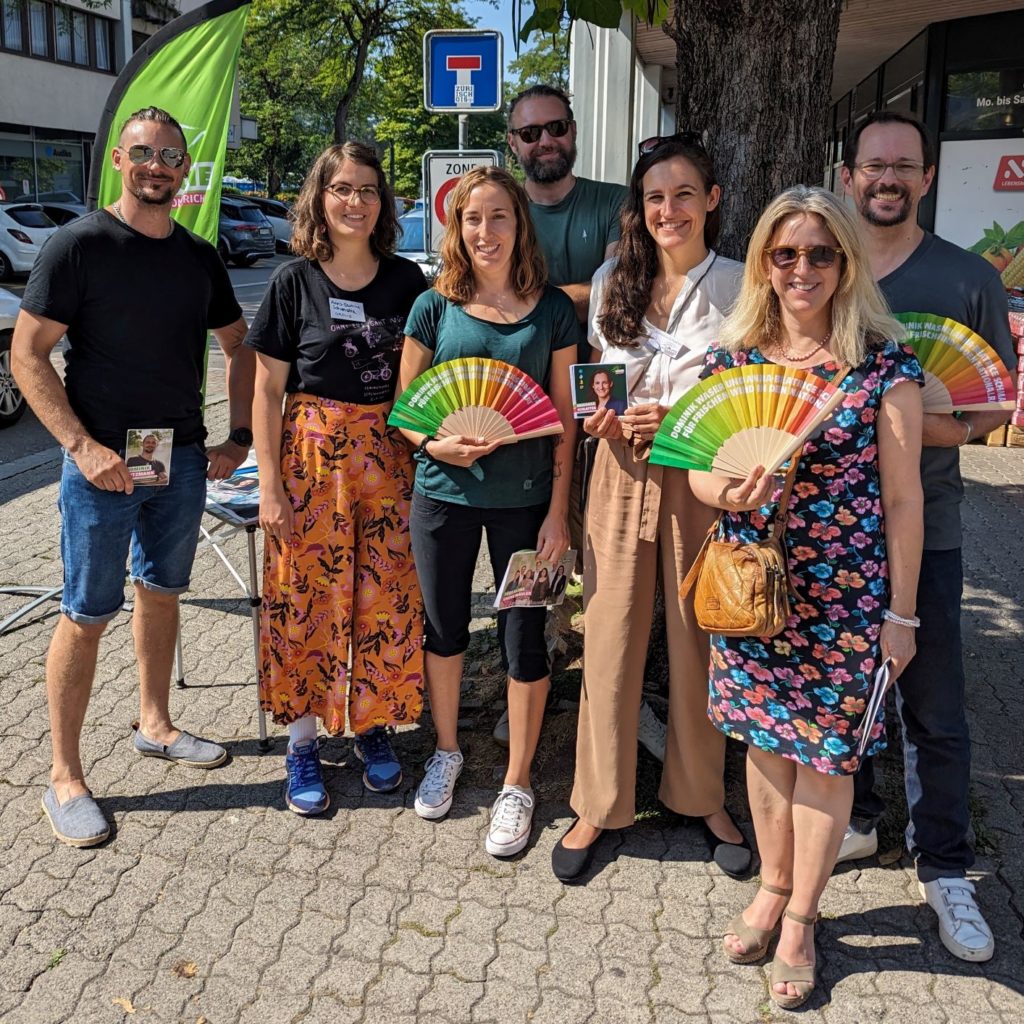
(160, 524)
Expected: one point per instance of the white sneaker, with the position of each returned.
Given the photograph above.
(963, 930)
(652, 732)
(435, 793)
(857, 844)
(511, 818)
(500, 733)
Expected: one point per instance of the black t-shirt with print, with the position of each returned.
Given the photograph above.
(341, 345)
(137, 311)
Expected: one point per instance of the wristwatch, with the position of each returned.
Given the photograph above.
(241, 436)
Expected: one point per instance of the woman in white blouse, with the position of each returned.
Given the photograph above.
(656, 308)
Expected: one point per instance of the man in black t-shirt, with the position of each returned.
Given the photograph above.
(135, 293)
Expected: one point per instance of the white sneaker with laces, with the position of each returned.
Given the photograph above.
(652, 732)
(962, 928)
(511, 818)
(857, 844)
(436, 791)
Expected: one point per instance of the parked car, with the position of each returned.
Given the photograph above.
(245, 234)
(12, 401)
(410, 243)
(279, 215)
(49, 197)
(62, 213)
(24, 230)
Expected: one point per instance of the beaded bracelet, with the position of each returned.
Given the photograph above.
(891, 616)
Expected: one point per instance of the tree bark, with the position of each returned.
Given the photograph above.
(756, 76)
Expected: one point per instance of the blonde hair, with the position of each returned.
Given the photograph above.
(527, 273)
(860, 316)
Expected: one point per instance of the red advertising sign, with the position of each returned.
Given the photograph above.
(1009, 174)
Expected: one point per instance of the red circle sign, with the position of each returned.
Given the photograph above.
(442, 195)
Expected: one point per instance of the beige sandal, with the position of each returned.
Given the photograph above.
(755, 940)
(802, 977)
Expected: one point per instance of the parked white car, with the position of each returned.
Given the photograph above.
(279, 215)
(24, 229)
(12, 401)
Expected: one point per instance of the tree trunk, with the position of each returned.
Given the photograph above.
(365, 38)
(756, 75)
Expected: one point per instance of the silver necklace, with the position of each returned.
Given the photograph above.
(120, 216)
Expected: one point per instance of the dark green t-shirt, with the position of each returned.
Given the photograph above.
(575, 232)
(941, 278)
(516, 475)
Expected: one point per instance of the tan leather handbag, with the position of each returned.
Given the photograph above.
(743, 589)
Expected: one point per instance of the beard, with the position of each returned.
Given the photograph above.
(544, 172)
(153, 194)
(885, 220)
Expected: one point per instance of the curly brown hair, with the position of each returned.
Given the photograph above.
(629, 286)
(310, 238)
(527, 274)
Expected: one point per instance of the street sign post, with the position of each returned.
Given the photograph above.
(462, 71)
(442, 171)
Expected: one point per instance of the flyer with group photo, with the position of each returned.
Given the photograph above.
(598, 386)
(532, 582)
(147, 453)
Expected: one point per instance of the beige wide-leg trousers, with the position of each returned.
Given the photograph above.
(641, 520)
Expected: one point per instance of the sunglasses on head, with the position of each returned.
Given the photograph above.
(532, 132)
(686, 138)
(170, 156)
(820, 256)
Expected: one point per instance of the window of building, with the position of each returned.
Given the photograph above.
(54, 31)
(11, 25)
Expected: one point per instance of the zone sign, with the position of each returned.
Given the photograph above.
(442, 171)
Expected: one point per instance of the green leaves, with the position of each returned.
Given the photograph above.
(548, 15)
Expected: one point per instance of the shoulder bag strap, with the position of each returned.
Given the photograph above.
(691, 577)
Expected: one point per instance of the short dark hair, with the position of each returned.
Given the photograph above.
(540, 90)
(158, 115)
(889, 117)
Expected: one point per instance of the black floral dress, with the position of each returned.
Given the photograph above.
(802, 694)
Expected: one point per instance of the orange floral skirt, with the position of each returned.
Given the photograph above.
(341, 625)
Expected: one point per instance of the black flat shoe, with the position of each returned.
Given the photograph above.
(568, 865)
(733, 858)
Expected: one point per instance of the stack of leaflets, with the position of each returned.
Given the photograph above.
(532, 582)
(236, 499)
(875, 710)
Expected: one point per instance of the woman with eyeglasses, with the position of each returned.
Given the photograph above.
(490, 300)
(656, 307)
(853, 541)
(341, 618)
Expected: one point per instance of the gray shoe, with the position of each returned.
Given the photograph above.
(78, 821)
(186, 749)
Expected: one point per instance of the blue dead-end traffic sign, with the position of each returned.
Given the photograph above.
(462, 71)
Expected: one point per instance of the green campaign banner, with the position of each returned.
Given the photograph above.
(188, 69)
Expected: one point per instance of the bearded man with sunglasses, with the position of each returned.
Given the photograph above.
(135, 293)
(889, 166)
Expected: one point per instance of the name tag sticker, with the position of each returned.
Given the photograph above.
(665, 342)
(345, 309)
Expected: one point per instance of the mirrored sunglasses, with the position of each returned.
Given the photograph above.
(170, 156)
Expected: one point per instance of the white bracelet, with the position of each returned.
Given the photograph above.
(891, 616)
(970, 431)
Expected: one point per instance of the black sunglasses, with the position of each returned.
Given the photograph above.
(819, 256)
(532, 132)
(169, 155)
(686, 138)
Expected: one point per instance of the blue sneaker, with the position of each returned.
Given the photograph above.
(383, 772)
(304, 791)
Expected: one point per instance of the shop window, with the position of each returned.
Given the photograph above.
(38, 28)
(13, 37)
(983, 101)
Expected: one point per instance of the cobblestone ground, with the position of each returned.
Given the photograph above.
(212, 903)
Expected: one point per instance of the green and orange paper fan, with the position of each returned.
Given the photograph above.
(744, 417)
(962, 371)
(475, 397)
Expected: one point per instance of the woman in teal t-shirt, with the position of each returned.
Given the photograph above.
(491, 300)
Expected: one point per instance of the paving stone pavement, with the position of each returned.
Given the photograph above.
(212, 903)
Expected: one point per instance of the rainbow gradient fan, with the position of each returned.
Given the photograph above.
(961, 370)
(743, 417)
(475, 397)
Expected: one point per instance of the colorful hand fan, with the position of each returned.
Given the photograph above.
(476, 398)
(746, 416)
(961, 370)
